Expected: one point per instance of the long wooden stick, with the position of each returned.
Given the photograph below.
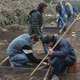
(71, 31)
(4, 61)
(62, 27)
(45, 77)
(54, 46)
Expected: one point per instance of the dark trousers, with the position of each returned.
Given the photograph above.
(60, 64)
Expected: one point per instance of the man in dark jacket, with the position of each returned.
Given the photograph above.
(36, 21)
(20, 50)
(62, 56)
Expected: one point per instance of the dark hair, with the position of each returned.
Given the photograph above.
(35, 37)
(42, 5)
(63, 1)
(59, 4)
(48, 39)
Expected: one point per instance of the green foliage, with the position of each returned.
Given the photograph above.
(77, 5)
(48, 1)
(53, 1)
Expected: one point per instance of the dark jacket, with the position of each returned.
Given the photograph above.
(59, 10)
(63, 49)
(35, 21)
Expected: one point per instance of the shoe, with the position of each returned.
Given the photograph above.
(55, 77)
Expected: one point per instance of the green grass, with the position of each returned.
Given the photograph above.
(77, 5)
(45, 18)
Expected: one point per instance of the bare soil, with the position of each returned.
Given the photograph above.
(9, 33)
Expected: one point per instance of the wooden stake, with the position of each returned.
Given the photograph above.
(47, 73)
(71, 31)
(54, 46)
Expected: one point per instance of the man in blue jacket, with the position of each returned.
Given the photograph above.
(62, 56)
(20, 50)
(61, 11)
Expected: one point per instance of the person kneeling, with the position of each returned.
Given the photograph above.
(61, 57)
(20, 50)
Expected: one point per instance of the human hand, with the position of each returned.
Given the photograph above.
(50, 52)
(66, 16)
(45, 63)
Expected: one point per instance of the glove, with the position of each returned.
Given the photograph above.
(66, 16)
(57, 15)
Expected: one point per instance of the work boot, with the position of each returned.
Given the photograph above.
(55, 77)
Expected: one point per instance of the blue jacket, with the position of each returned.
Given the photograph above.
(63, 49)
(17, 44)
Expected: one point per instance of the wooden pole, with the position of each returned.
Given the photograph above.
(53, 47)
(45, 77)
(71, 31)
(72, 68)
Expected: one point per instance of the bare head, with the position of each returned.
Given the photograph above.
(59, 5)
(48, 40)
(63, 2)
(42, 6)
(34, 38)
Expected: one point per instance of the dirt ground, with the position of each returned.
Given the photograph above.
(6, 36)
(9, 33)
(18, 75)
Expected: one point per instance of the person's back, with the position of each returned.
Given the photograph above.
(69, 12)
(17, 44)
(69, 52)
(69, 9)
(20, 49)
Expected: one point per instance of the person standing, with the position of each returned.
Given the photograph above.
(61, 12)
(69, 11)
(36, 22)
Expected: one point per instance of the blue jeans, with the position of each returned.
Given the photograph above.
(46, 49)
(42, 36)
(60, 22)
(60, 64)
(73, 17)
(68, 21)
(19, 59)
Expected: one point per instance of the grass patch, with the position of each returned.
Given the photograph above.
(77, 5)
(46, 18)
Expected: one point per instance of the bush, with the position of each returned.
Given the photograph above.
(48, 1)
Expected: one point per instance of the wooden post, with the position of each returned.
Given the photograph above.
(72, 68)
(71, 31)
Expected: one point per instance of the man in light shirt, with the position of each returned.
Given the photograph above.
(69, 11)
